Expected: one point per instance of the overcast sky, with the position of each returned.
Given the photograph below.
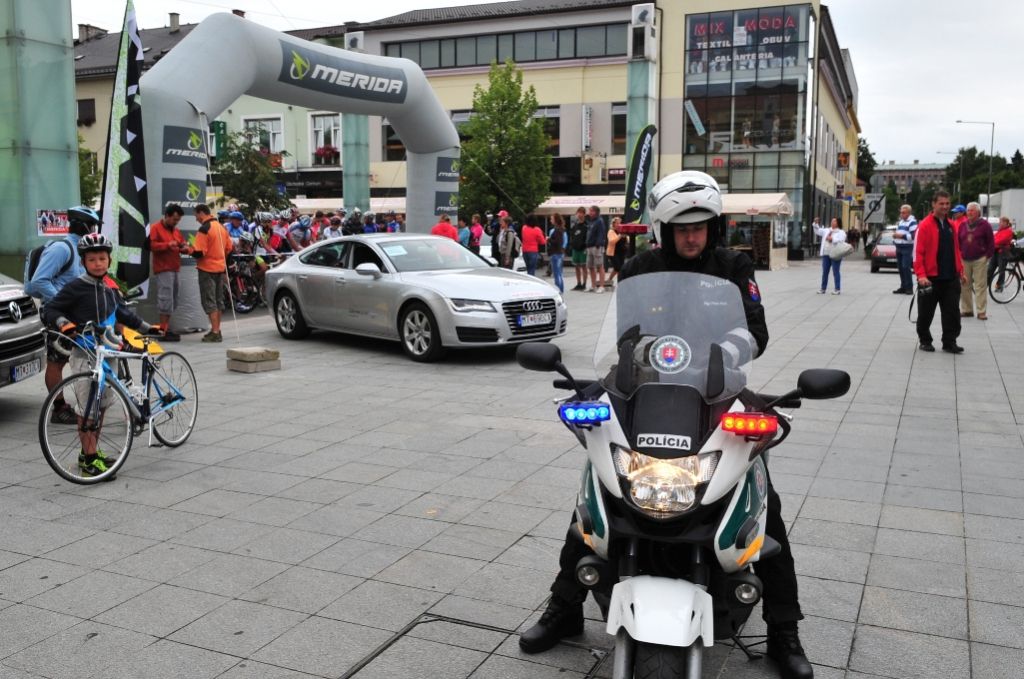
(920, 64)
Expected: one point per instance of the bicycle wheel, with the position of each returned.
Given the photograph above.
(104, 424)
(1010, 289)
(174, 395)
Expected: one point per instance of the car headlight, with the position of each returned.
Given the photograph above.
(559, 301)
(664, 488)
(468, 305)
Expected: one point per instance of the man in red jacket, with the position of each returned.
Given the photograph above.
(167, 244)
(939, 274)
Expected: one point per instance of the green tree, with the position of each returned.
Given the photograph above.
(865, 160)
(505, 156)
(892, 203)
(1017, 162)
(90, 177)
(972, 165)
(248, 173)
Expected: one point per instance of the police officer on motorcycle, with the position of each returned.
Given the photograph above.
(686, 209)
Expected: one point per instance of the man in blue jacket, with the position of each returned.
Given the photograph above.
(597, 241)
(58, 266)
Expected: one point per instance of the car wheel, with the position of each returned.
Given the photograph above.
(288, 316)
(420, 336)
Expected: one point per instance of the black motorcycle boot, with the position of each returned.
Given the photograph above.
(785, 649)
(561, 619)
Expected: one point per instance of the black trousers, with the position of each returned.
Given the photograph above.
(780, 602)
(946, 296)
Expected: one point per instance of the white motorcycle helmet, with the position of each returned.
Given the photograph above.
(685, 197)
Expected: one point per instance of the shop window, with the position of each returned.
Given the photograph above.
(267, 133)
(430, 54)
(526, 46)
(766, 178)
(718, 122)
(411, 50)
(590, 41)
(465, 51)
(506, 48)
(551, 121)
(619, 142)
(616, 40)
(394, 149)
(447, 53)
(86, 111)
(486, 49)
(567, 43)
(746, 134)
(694, 142)
(547, 45)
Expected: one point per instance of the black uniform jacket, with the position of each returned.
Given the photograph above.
(721, 262)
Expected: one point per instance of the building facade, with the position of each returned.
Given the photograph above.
(905, 174)
(759, 95)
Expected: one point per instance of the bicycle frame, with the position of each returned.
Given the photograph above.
(103, 374)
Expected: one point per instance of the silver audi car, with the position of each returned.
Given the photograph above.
(427, 292)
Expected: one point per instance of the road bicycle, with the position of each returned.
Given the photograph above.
(111, 407)
(1013, 278)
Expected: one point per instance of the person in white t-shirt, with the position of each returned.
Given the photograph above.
(831, 236)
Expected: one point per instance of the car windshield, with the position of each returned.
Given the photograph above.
(886, 239)
(663, 328)
(430, 254)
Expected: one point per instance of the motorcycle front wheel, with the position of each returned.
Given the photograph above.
(660, 662)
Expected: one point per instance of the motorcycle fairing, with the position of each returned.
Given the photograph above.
(663, 611)
(740, 535)
(667, 420)
(590, 498)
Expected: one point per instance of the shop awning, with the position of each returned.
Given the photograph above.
(568, 204)
(753, 204)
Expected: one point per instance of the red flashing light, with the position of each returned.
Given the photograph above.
(750, 424)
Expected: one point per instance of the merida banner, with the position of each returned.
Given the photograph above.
(339, 75)
(639, 169)
(184, 145)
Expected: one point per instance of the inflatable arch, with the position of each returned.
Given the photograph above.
(226, 56)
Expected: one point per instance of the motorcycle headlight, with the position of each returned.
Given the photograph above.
(664, 488)
(467, 305)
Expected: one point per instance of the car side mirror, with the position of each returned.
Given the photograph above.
(539, 356)
(821, 383)
(369, 269)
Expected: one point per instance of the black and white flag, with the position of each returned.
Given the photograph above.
(125, 207)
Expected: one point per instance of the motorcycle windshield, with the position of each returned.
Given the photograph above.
(675, 328)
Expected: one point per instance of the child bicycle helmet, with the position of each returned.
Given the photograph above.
(94, 242)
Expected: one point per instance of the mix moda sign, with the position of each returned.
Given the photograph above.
(342, 76)
(188, 193)
(447, 170)
(446, 202)
(184, 145)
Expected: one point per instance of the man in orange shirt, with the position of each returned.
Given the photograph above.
(167, 245)
(444, 228)
(211, 249)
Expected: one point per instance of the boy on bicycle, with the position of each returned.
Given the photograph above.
(86, 299)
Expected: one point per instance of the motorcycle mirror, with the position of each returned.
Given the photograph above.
(822, 383)
(134, 293)
(539, 356)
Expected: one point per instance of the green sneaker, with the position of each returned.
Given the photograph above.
(93, 465)
(213, 337)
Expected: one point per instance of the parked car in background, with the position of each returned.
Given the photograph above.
(22, 339)
(883, 252)
(426, 292)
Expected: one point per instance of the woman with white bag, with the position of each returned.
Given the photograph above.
(833, 248)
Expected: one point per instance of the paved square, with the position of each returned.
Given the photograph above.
(318, 511)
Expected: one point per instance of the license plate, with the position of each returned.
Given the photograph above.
(526, 320)
(890, 260)
(25, 370)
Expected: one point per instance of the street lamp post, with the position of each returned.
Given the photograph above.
(991, 152)
(960, 185)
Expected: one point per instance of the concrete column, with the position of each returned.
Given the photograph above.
(355, 161)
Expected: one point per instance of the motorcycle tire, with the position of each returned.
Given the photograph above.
(659, 662)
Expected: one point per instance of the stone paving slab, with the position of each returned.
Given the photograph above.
(321, 510)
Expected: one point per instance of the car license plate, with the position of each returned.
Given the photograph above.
(526, 320)
(25, 370)
(890, 260)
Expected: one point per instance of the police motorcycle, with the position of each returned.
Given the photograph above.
(673, 495)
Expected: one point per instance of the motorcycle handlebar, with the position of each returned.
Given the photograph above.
(785, 403)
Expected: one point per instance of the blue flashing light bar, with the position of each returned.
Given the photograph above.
(585, 413)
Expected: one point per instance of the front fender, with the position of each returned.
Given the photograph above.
(662, 611)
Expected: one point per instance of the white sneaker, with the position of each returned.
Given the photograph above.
(600, 290)
(836, 292)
